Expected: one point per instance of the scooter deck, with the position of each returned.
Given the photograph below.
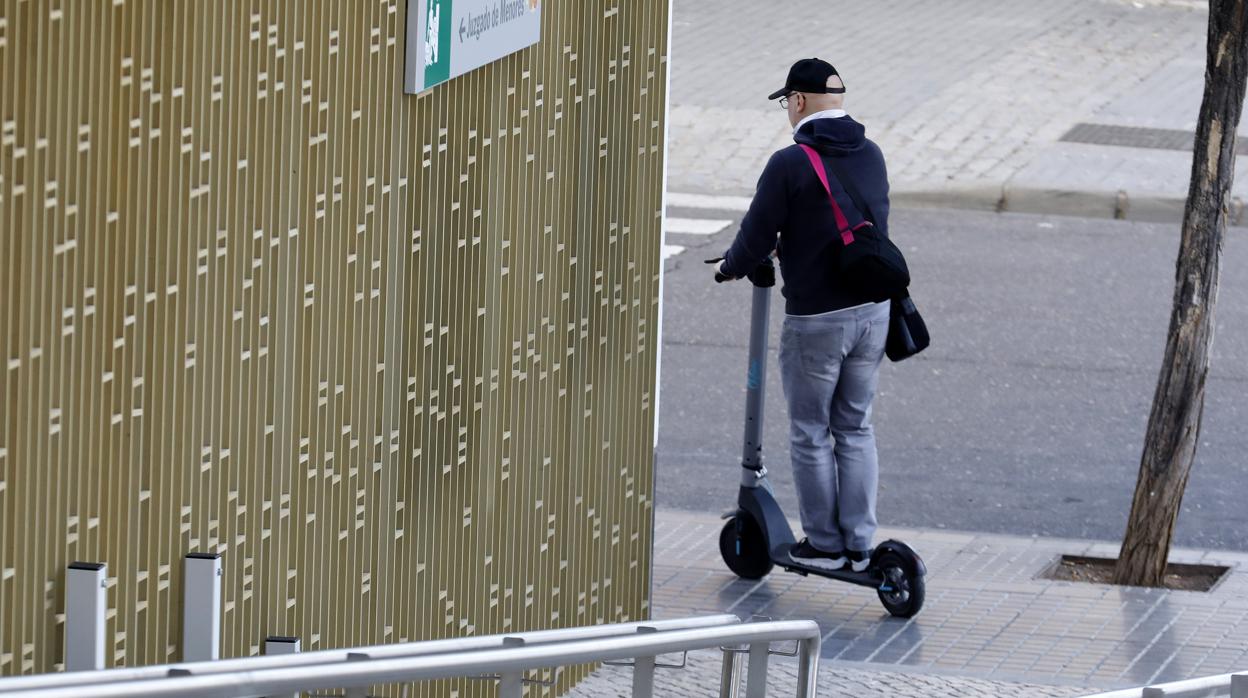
(869, 577)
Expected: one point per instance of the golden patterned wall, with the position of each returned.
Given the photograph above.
(393, 356)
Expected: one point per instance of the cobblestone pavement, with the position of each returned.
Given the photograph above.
(702, 676)
(989, 627)
(969, 99)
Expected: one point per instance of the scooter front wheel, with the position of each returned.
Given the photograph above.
(902, 588)
(743, 548)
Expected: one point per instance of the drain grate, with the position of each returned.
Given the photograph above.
(1137, 137)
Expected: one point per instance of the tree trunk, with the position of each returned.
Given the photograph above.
(1178, 404)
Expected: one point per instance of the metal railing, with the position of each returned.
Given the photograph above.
(504, 658)
(1233, 685)
(405, 649)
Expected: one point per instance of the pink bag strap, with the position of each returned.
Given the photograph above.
(842, 225)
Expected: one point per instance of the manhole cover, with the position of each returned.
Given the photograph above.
(1136, 137)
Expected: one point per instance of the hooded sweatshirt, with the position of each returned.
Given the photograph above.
(790, 201)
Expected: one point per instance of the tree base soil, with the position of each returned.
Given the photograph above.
(1100, 570)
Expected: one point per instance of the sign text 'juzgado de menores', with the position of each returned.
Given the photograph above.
(447, 38)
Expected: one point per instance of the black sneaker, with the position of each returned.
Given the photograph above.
(859, 560)
(806, 554)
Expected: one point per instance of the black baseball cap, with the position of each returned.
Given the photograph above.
(809, 75)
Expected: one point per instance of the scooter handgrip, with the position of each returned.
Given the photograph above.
(764, 275)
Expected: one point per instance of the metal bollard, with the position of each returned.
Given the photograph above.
(281, 644)
(201, 607)
(358, 691)
(511, 684)
(643, 670)
(85, 605)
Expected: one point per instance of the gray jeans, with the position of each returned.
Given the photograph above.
(830, 366)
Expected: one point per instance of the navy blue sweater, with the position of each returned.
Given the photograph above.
(791, 202)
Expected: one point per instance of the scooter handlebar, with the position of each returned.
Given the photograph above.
(763, 276)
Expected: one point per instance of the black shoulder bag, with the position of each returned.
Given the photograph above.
(887, 269)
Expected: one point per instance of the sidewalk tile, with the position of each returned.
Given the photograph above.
(1021, 628)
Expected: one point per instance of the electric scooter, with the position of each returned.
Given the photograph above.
(757, 536)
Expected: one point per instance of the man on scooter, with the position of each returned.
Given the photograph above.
(833, 337)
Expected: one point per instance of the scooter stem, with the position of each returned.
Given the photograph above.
(755, 388)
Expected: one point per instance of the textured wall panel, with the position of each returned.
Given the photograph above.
(392, 356)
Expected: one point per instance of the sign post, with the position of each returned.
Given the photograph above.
(447, 38)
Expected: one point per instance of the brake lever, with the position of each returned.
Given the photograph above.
(719, 278)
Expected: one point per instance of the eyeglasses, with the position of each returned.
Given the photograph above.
(784, 101)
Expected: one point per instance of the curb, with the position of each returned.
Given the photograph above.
(1009, 198)
(984, 197)
(1118, 205)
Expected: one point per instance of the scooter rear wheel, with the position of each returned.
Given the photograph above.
(743, 548)
(903, 588)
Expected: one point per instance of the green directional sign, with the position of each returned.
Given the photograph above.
(436, 41)
(447, 38)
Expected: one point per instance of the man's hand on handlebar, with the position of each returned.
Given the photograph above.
(720, 276)
(763, 276)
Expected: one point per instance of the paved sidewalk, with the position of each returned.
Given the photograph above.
(989, 626)
(701, 678)
(1083, 107)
